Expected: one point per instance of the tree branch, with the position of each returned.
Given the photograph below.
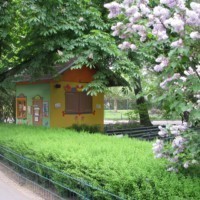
(13, 71)
(193, 67)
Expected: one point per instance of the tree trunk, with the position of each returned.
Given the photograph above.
(115, 104)
(141, 104)
(1, 113)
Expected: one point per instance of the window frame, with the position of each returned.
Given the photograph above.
(79, 107)
(21, 112)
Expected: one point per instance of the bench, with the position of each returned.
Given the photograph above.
(145, 133)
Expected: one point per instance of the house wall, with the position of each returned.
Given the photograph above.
(74, 80)
(57, 108)
(30, 91)
(83, 75)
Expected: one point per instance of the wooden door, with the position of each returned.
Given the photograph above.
(37, 110)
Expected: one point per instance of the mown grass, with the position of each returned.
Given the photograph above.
(123, 115)
(124, 166)
(119, 115)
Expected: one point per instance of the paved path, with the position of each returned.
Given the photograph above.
(9, 190)
(161, 122)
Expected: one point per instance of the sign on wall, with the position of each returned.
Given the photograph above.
(45, 109)
(57, 105)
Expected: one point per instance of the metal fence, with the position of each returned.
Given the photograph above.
(49, 183)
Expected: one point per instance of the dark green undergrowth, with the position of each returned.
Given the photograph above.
(123, 166)
(86, 128)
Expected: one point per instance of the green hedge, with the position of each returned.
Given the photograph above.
(123, 166)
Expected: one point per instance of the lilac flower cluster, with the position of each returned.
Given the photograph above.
(127, 45)
(157, 148)
(178, 43)
(159, 19)
(163, 63)
(163, 85)
(195, 35)
(176, 130)
(191, 72)
(114, 9)
(178, 145)
(172, 22)
(197, 96)
(163, 132)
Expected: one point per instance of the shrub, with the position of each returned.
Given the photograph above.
(86, 128)
(132, 115)
(183, 151)
(125, 167)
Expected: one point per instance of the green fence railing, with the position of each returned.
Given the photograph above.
(62, 185)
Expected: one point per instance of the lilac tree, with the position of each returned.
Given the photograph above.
(171, 28)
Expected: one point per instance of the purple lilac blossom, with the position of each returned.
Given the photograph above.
(177, 23)
(165, 82)
(163, 132)
(114, 9)
(189, 72)
(127, 45)
(144, 9)
(173, 159)
(192, 18)
(131, 11)
(178, 43)
(178, 142)
(127, 2)
(161, 12)
(117, 28)
(183, 78)
(169, 3)
(174, 77)
(159, 30)
(157, 148)
(195, 35)
(163, 63)
(172, 169)
(181, 4)
(151, 19)
(178, 129)
(178, 150)
(195, 6)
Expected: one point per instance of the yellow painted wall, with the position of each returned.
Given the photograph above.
(58, 119)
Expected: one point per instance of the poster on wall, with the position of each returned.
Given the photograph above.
(36, 112)
(45, 109)
(29, 110)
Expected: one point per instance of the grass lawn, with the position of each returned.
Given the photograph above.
(119, 115)
(122, 115)
(125, 167)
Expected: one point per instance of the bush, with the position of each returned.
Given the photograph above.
(132, 115)
(183, 150)
(125, 167)
(86, 128)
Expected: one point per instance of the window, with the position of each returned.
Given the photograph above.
(78, 103)
(21, 107)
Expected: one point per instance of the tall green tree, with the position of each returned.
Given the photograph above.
(41, 34)
(36, 35)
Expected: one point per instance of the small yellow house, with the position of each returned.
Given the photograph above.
(60, 102)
